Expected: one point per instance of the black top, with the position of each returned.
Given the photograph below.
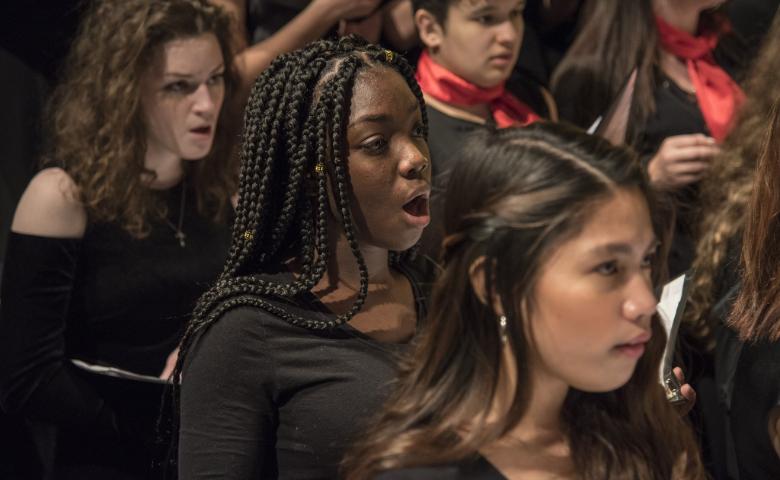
(677, 113)
(446, 137)
(472, 469)
(111, 299)
(754, 391)
(266, 17)
(264, 399)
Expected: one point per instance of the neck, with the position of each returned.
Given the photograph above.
(166, 166)
(680, 15)
(541, 420)
(343, 270)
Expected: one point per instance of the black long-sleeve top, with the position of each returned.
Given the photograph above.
(264, 399)
(107, 298)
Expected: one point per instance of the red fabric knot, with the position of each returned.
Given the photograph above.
(718, 95)
(445, 86)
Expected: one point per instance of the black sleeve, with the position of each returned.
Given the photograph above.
(228, 401)
(35, 378)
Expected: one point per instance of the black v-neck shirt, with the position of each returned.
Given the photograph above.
(262, 398)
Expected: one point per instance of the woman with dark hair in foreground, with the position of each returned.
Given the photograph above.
(541, 353)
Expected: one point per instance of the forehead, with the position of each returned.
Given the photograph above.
(471, 5)
(189, 55)
(381, 90)
(620, 219)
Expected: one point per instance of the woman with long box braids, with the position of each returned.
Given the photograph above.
(293, 347)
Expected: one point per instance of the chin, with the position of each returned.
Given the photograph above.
(605, 381)
(399, 243)
(193, 154)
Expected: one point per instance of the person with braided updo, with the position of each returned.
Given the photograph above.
(292, 348)
(113, 242)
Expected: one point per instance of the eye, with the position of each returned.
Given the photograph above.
(607, 268)
(179, 86)
(516, 13)
(485, 19)
(647, 261)
(375, 146)
(418, 131)
(216, 79)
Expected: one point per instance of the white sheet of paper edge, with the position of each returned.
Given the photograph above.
(116, 372)
(671, 298)
(594, 126)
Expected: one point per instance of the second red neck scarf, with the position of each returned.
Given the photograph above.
(718, 96)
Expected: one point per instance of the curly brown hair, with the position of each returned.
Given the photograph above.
(725, 193)
(96, 130)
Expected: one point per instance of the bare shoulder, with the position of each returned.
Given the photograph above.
(49, 207)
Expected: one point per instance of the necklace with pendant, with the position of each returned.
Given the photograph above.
(177, 231)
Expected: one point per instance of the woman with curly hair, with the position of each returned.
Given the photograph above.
(725, 197)
(113, 241)
(541, 352)
(292, 348)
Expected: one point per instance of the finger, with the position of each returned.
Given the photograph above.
(683, 180)
(689, 393)
(678, 373)
(690, 140)
(697, 152)
(689, 168)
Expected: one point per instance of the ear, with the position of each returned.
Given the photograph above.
(430, 30)
(477, 279)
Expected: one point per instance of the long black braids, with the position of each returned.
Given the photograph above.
(294, 143)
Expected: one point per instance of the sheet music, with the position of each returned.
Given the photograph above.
(670, 310)
(116, 372)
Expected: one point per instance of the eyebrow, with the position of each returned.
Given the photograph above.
(379, 117)
(482, 9)
(620, 248)
(189, 75)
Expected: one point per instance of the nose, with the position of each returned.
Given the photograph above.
(203, 101)
(508, 33)
(640, 302)
(415, 164)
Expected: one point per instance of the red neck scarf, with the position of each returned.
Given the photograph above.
(445, 86)
(718, 96)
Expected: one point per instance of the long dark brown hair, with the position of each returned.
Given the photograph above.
(726, 191)
(96, 129)
(614, 37)
(756, 314)
(514, 197)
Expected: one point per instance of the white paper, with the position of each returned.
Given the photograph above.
(669, 309)
(116, 372)
(594, 126)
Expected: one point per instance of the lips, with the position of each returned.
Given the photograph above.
(418, 206)
(635, 347)
(502, 58)
(204, 130)
(418, 209)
